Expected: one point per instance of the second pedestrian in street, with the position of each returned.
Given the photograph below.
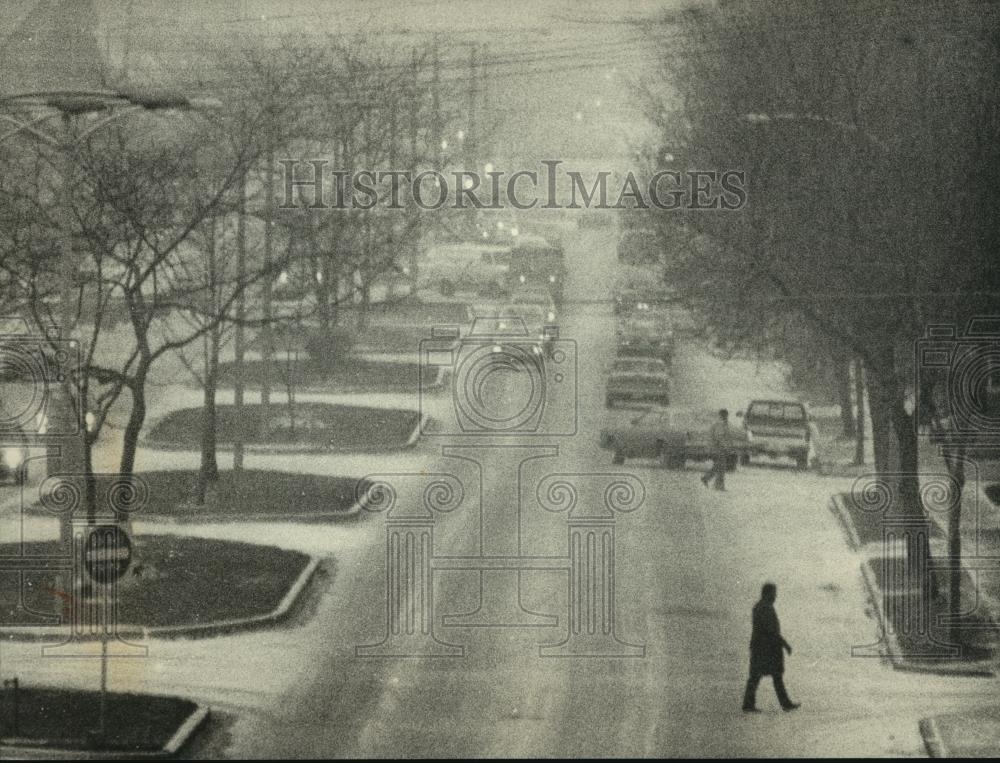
(719, 441)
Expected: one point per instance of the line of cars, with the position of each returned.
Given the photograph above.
(528, 312)
(771, 428)
(530, 262)
(644, 352)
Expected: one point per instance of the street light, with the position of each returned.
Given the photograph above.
(71, 103)
(844, 127)
(68, 104)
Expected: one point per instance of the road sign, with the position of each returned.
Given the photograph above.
(107, 553)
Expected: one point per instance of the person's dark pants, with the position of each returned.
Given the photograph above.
(750, 696)
(718, 471)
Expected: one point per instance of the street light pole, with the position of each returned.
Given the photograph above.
(68, 414)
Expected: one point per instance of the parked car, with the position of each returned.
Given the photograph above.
(781, 428)
(673, 436)
(638, 380)
(652, 365)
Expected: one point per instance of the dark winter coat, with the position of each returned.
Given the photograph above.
(766, 643)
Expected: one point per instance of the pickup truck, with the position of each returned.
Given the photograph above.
(781, 428)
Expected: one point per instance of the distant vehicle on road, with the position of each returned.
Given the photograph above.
(633, 301)
(535, 262)
(639, 247)
(448, 268)
(638, 380)
(13, 458)
(674, 436)
(538, 312)
(645, 336)
(781, 428)
(537, 298)
(14, 465)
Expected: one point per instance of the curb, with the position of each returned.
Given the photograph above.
(836, 505)
(215, 628)
(274, 450)
(265, 449)
(432, 386)
(892, 651)
(166, 519)
(418, 430)
(181, 737)
(932, 738)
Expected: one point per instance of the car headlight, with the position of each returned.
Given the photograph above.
(12, 457)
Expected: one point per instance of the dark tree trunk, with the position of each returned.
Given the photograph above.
(325, 284)
(859, 417)
(137, 417)
(907, 445)
(90, 481)
(842, 369)
(881, 424)
(910, 504)
(241, 311)
(955, 462)
(209, 471)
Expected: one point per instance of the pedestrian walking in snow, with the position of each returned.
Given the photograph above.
(767, 648)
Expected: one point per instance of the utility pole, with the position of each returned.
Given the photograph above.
(482, 144)
(859, 418)
(436, 104)
(414, 163)
(129, 27)
(267, 336)
(470, 135)
(241, 313)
